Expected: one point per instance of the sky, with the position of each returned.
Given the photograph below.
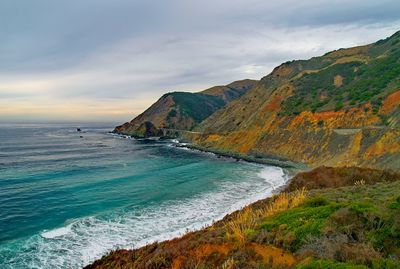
(107, 61)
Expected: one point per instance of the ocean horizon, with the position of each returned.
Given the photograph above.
(69, 197)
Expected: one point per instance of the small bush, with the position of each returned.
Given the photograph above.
(316, 201)
(395, 205)
(303, 222)
(324, 264)
(359, 183)
(239, 227)
(361, 208)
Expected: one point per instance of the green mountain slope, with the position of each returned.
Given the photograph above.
(340, 108)
(183, 110)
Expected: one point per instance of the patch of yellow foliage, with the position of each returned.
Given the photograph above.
(248, 219)
(338, 81)
(387, 144)
(275, 255)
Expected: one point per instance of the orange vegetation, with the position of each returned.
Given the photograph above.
(356, 145)
(208, 249)
(242, 141)
(356, 117)
(275, 104)
(277, 97)
(387, 144)
(276, 255)
(177, 263)
(212, 138)
(390, 103)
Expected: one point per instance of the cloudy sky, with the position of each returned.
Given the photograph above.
(102, 60)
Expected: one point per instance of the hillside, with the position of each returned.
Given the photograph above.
(355, 225)
(341, 108)
(183, 110)
(340, 113)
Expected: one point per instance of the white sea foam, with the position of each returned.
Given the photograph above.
(57, 232)
(274, 176)
(87, 239)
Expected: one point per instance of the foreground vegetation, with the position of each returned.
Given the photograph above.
(355, 225)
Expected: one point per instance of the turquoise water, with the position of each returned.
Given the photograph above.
(67, 198)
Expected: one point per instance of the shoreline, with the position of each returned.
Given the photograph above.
(181, 250)
(290, 166)
(289, 169)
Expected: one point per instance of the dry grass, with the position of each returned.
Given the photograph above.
(359, 183)
(245, 221)
(228, 264)
(248, 219)
(282, 202)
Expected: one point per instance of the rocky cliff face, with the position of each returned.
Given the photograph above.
(342, 108)
(338, 109)
(183, 110)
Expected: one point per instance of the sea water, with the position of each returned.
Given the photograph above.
(69, 197)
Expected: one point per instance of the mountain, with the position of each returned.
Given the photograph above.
(338, 109)
(183, 110)
(341, 108)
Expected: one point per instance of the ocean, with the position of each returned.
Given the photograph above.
(68, 197)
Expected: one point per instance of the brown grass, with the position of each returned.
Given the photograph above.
(330, 177)
(228, 264)
(274, 255)
(248, 219)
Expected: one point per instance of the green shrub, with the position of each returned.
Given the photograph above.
(303, 222)
(316, 201)
(362, 83)
(339, 105)
(360, 208)
(326, 264)
(395, 205)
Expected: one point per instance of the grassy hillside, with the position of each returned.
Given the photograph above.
(183, 110)
(339, 108)
(195, 105)
(355, 225)
(231, 91)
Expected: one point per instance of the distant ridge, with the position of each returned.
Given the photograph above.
(183, 110)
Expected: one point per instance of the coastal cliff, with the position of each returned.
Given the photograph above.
(342, 108)
(338, 109)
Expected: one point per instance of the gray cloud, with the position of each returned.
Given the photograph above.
(104, 51)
